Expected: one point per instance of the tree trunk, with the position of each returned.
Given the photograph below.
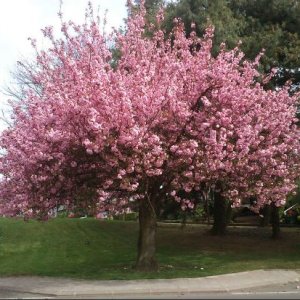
(275, 221)
(146, 261)
(220, 214)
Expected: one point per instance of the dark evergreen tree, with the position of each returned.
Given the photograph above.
(204, 13)
(273, 25)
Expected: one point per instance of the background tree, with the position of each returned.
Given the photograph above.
(204, 13)
(274, 26)
(270, 25)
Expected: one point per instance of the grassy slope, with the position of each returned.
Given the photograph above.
(88, 248)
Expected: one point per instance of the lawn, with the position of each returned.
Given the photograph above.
(89, 248)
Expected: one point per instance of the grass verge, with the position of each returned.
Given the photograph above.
(93, 249)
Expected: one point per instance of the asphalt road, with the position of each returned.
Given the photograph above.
(270, 295)
(289, 291)
(237, 295)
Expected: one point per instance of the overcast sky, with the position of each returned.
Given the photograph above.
(20, 19)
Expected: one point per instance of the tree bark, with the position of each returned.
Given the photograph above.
(220, 215)
(275, 221)
(146, 261)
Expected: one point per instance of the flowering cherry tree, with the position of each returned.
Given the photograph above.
(167, 116)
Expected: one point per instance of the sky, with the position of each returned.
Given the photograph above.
(21, 19)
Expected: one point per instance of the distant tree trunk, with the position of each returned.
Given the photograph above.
(207, 211)
(146, 260)
(206, 198)
(229, 212)
(220, 214)
(184, 220)
(275, 221)
(266, 213)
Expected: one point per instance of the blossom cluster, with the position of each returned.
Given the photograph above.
(166, 116)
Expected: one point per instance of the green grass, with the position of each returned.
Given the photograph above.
(89, 248)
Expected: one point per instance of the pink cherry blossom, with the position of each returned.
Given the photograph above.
(162, 118)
